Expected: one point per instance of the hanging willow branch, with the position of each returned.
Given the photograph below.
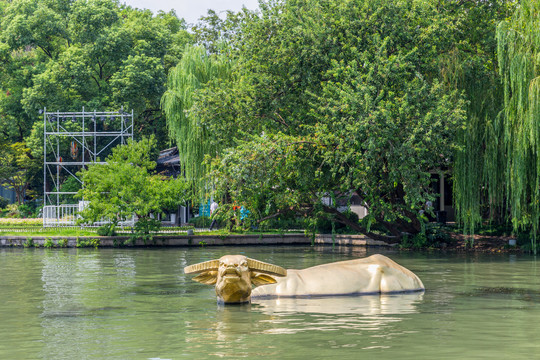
(195, 70)
(468, 158)
(519, 60)
(477, 165)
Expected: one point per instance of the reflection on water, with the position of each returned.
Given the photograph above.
(232, 329)
(353, 305)
(74, 303)
(335, 313)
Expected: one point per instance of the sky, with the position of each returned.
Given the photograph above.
(191, 10)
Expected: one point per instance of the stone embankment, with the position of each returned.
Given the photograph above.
(198, 240)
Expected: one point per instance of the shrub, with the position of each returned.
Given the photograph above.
(434, 235)
(201, 221)
(62, 243)
(3, 202)
(87, 243)
(437, 233)
(144, 228)
(95, 243)
(29, 209)
(12, 211)
(29, 242)
(49, 244)
(107, 230)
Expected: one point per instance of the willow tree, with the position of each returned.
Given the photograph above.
(519, 60)
(470, 65)
(194, 141)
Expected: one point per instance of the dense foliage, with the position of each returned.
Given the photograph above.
(97, 54)
(328, 98)
(93, 53)
(291, 109)
(16, 168)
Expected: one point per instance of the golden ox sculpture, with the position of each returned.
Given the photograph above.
(234, 275)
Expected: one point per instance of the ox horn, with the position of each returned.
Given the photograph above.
(211, 265)
(266, 268)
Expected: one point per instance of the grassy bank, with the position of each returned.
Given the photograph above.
(34, 228)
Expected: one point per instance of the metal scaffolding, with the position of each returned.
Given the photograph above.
(72, 141)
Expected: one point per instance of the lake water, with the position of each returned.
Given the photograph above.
(138, 304)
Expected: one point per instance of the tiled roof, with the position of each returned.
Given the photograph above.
(168, 157)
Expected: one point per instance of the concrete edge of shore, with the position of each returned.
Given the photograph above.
(193, 240)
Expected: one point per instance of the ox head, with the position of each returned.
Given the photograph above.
(233, 276)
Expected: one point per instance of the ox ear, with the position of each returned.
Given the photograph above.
(261, 279)
(207, 278)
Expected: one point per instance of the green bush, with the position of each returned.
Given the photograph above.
(29, 242)
(201, 221)
(3, 202)
(62, 243)
(107, 230)
(81, 243)
(88, 243)
(144, 229)
(29, 209)
(25, 210)
(437, 233)
(433, 236)
(12, 211)
(70, 185)
(49, 244)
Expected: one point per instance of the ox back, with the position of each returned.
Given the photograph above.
(372, 275)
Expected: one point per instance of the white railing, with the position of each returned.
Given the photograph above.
(68, 214)
(61, 215)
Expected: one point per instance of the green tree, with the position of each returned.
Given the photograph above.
(211, 31)
(496, 64)
(126, 186)
(64, 55)
(16, 168)
(16, 71)
(91, 53)
(195, 70)
(329, 98)
(518, 40)
(470, 65)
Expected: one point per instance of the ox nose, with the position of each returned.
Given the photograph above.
(232, 270)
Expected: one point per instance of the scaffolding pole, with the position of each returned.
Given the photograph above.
(86, 137)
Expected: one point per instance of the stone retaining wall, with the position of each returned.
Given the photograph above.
(204, 240)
